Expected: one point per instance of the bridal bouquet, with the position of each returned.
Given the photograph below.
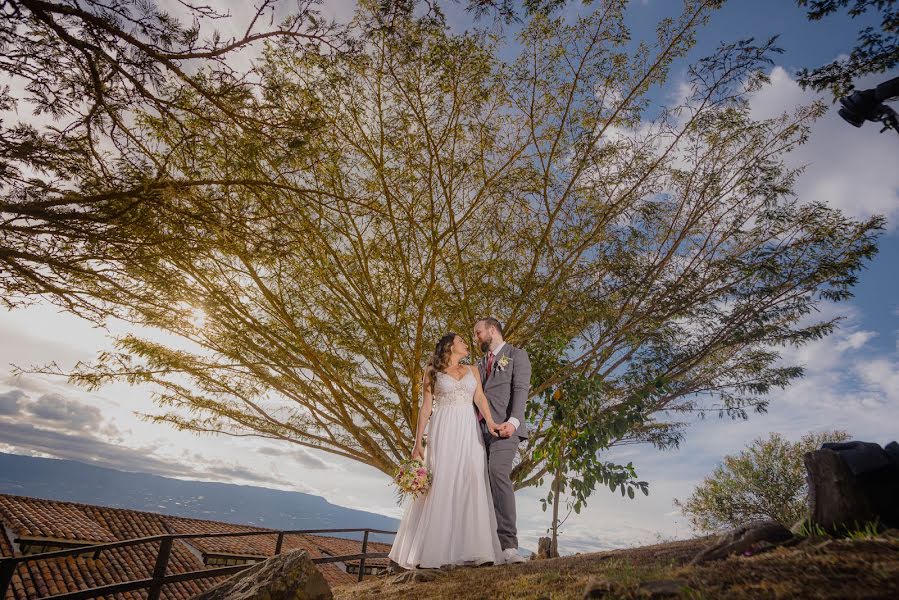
(412, 479)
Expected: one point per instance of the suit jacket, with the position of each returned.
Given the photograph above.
(507, 389)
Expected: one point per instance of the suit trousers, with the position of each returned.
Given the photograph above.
(500, 455)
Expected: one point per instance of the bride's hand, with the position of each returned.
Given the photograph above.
(418, 453)
(492, 427)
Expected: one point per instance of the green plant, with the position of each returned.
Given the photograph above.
(809, 529)
(765, 481)
(866, 531)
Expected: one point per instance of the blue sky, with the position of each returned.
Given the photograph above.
(852, 378)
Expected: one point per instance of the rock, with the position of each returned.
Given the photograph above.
(418, 576)
(662, 588)
(841, 501)
(793, 541)
(747, 538)
(290, 576)
(598, 588)
(835, 498)
(762, 547)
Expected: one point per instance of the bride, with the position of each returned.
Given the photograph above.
(454, 523)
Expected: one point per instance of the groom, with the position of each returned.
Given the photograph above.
(506, 378)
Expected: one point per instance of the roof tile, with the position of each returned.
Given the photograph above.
(34, 517)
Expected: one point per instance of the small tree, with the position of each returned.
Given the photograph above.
(583, 420)
(765, 481)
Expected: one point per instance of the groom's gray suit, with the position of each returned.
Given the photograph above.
(506, 389)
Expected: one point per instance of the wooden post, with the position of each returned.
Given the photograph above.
(280, 542)
(362, 560)
(7, 568)
(162, 563)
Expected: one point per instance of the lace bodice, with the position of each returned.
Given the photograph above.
(450, 392)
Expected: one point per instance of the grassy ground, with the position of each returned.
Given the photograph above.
(820, 568)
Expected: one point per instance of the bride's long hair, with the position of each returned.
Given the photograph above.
(439, 360)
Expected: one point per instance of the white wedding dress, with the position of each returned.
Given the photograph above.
(454, 523)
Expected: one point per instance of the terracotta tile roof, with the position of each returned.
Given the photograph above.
(47, 577)
(36, 518)
(43, 518)
(5, 544)
(340, 547)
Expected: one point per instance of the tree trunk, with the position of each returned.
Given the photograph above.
(554, 543)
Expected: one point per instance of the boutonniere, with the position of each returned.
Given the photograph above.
(503, 362)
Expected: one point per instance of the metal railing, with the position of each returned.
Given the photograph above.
(159, 577)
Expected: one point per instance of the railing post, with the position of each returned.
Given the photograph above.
(278, 545)
(162, 563)
(7, 568)
(362, 560)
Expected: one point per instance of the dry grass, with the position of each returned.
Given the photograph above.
(827, 569)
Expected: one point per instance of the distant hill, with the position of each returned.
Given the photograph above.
(69, 480)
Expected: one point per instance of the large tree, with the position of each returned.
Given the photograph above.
(652, 255)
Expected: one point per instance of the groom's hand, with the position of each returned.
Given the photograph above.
(506, 430)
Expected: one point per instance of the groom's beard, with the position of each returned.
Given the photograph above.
(485, 345)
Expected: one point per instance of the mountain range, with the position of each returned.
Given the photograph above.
(72, 481)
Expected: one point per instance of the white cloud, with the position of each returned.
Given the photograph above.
(881, 375)
(855, 340)
(307, 458)
(9, 402)
(71, 414)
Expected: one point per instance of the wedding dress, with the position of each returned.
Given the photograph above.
(454, 522)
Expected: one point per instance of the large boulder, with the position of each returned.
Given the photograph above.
(290, 576)
(852, 484)
(755, 537)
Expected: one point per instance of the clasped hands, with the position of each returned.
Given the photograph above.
(503, 430)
